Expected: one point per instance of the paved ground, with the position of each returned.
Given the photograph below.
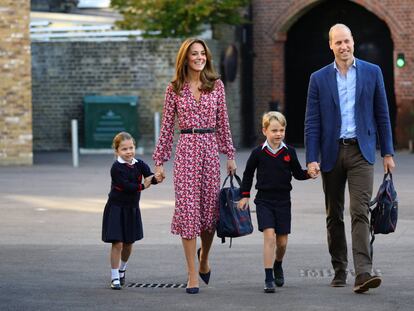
(51, 256)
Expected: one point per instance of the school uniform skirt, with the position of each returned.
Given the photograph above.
(121, 224)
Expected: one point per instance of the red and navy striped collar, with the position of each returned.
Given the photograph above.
(266, 144)
(274, 153)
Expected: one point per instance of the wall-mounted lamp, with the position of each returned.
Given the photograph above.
(400, 60)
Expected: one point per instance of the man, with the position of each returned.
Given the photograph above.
(346, 110)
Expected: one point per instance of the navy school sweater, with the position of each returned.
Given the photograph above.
(273, 173)
(127, 182)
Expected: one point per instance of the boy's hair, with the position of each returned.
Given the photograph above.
(273, 115)
(120, 137)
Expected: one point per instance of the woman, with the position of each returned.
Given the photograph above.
(196, 96)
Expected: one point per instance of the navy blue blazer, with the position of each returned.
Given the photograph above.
(323, 115)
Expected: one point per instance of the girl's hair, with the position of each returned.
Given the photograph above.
(273, 115)
(120, 137)
(208, 75)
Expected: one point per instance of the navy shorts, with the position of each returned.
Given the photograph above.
(273, 214)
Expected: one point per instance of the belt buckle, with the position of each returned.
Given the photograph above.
(344, 142)
(193, 130)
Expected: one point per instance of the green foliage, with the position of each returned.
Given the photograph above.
(177, 18)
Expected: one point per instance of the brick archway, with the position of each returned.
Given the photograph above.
(298, 8)
(272, 23)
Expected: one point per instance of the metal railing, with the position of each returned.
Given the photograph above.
(95, 33)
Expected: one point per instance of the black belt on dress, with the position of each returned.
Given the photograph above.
(198, 131)
(348, 141)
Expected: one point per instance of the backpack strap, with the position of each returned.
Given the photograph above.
(237, 179)
(372, 245)
(231, 180)
(223, 240)
(225, 180)
(371, 232)
(375, 200)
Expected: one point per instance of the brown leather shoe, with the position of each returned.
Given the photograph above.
(365, 281)
(339, 279)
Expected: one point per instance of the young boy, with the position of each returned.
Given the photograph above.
(275, 162)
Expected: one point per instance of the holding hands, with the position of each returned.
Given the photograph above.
(159, 173)
(313, 169)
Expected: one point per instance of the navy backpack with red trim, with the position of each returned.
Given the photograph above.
(385, 213)
(233, 222)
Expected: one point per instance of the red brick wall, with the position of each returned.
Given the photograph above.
(272, 20)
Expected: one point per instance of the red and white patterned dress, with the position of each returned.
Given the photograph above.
(196, 163)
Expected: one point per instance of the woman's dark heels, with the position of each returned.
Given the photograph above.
(204, 276)
(192, 290)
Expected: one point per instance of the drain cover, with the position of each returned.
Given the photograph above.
(155, 285)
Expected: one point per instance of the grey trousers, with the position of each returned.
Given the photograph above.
(352, 167)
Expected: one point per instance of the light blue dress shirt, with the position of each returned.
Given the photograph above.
(346, 91)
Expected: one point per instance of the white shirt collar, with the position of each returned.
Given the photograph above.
(266, 144)
(120, 160)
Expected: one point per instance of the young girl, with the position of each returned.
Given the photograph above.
(122, 224)
(275, 163)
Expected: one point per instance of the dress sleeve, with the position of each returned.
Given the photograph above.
(162, 152)
(224, 139)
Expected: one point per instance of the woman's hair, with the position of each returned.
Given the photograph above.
(120, 137)
(208, 75)
(273, 115)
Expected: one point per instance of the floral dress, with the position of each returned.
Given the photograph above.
(197, 163)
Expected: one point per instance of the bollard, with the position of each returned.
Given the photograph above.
(156, 127)
(75, 147)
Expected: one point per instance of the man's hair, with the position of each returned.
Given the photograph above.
(273, 115)
(338, 26)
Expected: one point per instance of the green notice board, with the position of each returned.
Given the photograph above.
(105, 116)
